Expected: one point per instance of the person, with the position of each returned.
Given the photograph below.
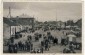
(10, 49)
(66, 50)
(12, 39)
(16, 45)
(78, 46)
(44, 37)
(42, 43)
(34, 51)
(30, 37)
(15, 48)
(38, 50)
(46, 44)
(63, 32)
(50, 37)
(31, 45)
(25, 46)
(40, 35)
(36, 38)
(55, 41)
(71, 47)
(20, 45)
(66, 42)
(28, 46)
(20, 35)
(31, 51)
(62, 41)
(41, 49)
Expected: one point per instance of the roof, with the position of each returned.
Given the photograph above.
(23, 21)
(71, 35)
(24, 16)
(18, 21)
(9, 22)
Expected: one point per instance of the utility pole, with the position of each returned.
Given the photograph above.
(56, 15)
(9, 14)
(56, 21)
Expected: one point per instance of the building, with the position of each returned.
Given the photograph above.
(8, 28)
(17, 24)
(23, 23)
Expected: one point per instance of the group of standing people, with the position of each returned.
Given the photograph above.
(27, 46)
(47, 41)
(20, 46)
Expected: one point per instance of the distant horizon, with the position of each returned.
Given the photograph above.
(49, 21)
(45, 11)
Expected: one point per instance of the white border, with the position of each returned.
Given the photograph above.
(1, 28)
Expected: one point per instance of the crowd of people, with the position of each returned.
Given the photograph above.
(48, 41)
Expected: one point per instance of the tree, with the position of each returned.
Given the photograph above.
(79, 23)
(70, 22)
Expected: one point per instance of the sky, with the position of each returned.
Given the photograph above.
(44, 11)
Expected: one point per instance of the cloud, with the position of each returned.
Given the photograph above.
(45, 10)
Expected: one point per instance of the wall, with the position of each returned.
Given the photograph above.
(6, 31)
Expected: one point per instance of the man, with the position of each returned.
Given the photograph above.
(15, 48)
(71, 47)
(46, 44)
(66, 42)
(55, 41)
(31, 46)
(50, 37)
(42, 43)
(12, 39)
(10, 49)
(23, 46)
(30, 37)
(40, 35)
(20, 45)
(62, 42)
(28, 46)
(36, 38)
(41, 49)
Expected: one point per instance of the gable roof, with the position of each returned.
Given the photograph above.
(24, 16)
(18, 21)
(9, 22)
(23, 21)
